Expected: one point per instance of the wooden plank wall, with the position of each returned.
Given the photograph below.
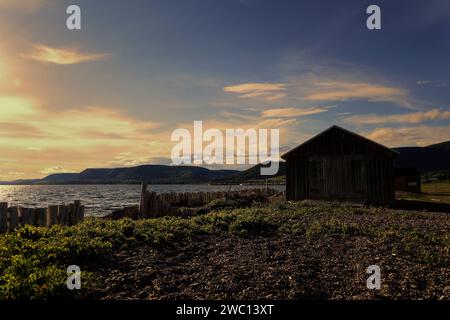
(377, 176)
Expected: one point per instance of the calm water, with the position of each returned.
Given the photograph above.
(98, 199)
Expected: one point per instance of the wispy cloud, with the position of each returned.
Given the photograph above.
(266, 91)
(423, 82)
(414, 117)
(312, 77)
(13, 175)
(13, 130)
(3, 72)
(62, 56)
(410, 136)
(292, 112)
(345, 90)
(438, 83)
(128, 159)
(94, 125)
(23, 5)
(13, 107)
(100, 134)
(276, 123)
(55, 169)
(319, 88)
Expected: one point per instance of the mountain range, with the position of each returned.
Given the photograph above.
(435, 157)
(427, 159)
(154, 174)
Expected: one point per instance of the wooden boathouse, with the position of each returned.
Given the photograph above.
(338, 164)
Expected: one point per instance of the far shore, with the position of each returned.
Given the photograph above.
(136, 183)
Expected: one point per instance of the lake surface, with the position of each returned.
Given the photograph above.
(98, 199)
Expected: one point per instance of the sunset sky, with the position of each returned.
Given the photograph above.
(111, 94)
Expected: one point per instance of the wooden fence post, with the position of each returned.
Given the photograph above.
(71, 215)
(3, 217)
(157, 205)
(148, 205)
(26, 216)
(143, 201)
(40, 215)
(13, 218)
(74, 214)
(81, 214)
(52, 215)
(61, 214)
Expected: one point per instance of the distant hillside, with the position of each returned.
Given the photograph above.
(148, 173)
(253, 174)
(20, 182)
(442, 145)
(155, 174)
(435, 157)
(60, 177)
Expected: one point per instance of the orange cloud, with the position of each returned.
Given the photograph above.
(316, 88)
(23, 130)
(27, 5)
(415, 117)
(266, 91)
(76, 139)
(410, 136)
(292, 112)
(55, 169)
(62, 56)
(2, 71)
(341, 90)
(12, 108)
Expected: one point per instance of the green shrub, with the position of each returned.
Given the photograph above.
(334, 226)
(252, 225)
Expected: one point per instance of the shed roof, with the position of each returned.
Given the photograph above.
(345, 131)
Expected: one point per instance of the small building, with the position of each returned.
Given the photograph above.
(338, 164)
(407, 179)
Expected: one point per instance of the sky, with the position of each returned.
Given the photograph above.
(111, 94)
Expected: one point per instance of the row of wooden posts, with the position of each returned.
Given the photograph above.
(193, 199)
(13, 217)
(153, 205)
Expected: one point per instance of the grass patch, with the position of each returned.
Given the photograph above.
(333, 227)
(434, 192)
(33, 261)
(420, 247)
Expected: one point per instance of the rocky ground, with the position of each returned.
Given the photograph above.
(236, 248)
(320, 263)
